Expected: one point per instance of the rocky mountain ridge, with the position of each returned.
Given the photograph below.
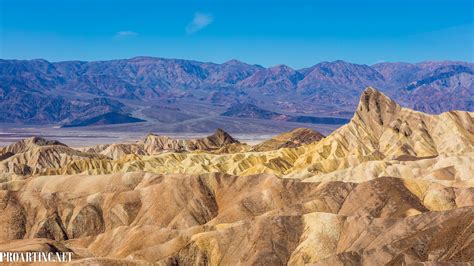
(42, 92)
(380, 130)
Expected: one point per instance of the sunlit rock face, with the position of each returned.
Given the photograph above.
(393, 186)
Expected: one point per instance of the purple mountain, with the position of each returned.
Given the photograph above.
(42, 92)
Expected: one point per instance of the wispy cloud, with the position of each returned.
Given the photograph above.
(126, 34)
(378, 61)
(199, 22)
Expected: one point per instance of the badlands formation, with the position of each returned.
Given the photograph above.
(392, 186)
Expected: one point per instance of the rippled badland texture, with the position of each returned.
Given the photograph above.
(392, 186)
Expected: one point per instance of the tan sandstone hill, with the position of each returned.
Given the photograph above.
(391, 187)
(155, 143)
(221, 219)
(33, 155)
(292, 139)
(220, 141)
(381, 131)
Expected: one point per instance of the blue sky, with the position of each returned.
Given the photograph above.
(296, 33)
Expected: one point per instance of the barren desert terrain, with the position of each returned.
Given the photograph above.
(392, 186)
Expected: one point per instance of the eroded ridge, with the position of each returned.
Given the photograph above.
(392, 186)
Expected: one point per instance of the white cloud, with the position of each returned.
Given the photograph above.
(199, 22)
(125, 34)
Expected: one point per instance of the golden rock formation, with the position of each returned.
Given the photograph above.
(223, 219)
(295, 138)
(381, 132)
(393, 186)
(220, 142)
(32, 155)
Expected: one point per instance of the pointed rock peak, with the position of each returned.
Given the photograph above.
(222, 137)
(372, 90)
(150, 134)
(234, 62)
(301, 135)
(216, 140)
(376, 106)
(151, 137)
(374, 100)
(220, 131)
(339, 62)
(38, 141)
(332, 63)
(291, 139)
(145, 59)
(282, 67)
(28, 143)
(304, 130)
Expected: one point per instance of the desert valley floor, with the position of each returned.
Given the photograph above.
(393, 186)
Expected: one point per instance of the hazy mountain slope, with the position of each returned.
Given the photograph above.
(398, 74)
(41, 92)
(432, 87)
(339, 73)
(274, 80)
(104, 119)
(248, 110)
(446, 87)
(252, 111)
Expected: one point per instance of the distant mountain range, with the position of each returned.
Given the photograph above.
(156, 90)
